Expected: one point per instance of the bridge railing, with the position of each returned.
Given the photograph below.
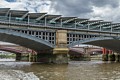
(40, 23)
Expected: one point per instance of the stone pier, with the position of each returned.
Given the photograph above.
(117, 57)
(60, 52)
(26, 57)
(60, 55)
(109, 55)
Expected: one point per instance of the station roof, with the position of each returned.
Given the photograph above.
(91, 21)
(66, 19)
(105, 22)
(17, 13)
(36, 15)
(50, 17)
(56, 18)
(81, 20)
(115, 25)
(4, 11)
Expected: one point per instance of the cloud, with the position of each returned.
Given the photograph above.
(30, 5)
(72, 7)
(104, 3)
(93, 9)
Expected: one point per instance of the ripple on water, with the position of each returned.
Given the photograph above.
(8, 65)
(75, 70)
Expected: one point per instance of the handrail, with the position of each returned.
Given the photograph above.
(15, 20)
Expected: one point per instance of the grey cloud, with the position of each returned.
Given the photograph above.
(103, 3)
(72, 7)
(81, 8)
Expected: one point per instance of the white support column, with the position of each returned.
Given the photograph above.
(28, 19)
(45, 21)
(61, 22)
(9, 17)
(75, 24)
(100, 28)
(111, 29)
(88, 26)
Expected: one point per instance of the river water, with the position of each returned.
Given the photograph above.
(75, 70)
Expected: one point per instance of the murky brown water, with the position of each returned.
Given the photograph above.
(75, 70)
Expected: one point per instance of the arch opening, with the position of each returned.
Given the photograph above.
(106, 42)
(25, 40)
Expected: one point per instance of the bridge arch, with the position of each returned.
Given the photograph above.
(15, 51)
(25, 40)
(106, 42)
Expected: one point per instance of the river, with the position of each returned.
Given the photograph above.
(75, 70)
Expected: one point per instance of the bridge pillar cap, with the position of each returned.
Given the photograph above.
(63, 31)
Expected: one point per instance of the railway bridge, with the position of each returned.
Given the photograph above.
(56, 33)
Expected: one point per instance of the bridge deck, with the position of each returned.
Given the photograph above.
(8, 16)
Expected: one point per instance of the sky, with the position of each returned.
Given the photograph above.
(108, 10)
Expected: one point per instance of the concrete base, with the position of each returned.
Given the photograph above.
(105, 57)
(60, 59)
(60, 55)
(111, 57)
(86, 57)
(52, 58)
(117, 57)
(26, 57)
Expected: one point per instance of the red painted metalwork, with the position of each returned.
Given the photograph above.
(110, 51)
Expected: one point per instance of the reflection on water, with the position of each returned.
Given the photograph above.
(7, 59)
(75, 70)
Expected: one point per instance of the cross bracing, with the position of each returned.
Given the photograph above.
(58, 21)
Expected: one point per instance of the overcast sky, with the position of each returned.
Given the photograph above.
(108, 10)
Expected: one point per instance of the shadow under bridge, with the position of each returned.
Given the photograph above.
(25, 40)
(112, 43)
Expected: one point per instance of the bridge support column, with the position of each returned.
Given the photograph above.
(24, 57)
(86, 56)
(117, 57)
(60, 53)
(33, 58)
(18, 57)
(111, 56)
(105, 55)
